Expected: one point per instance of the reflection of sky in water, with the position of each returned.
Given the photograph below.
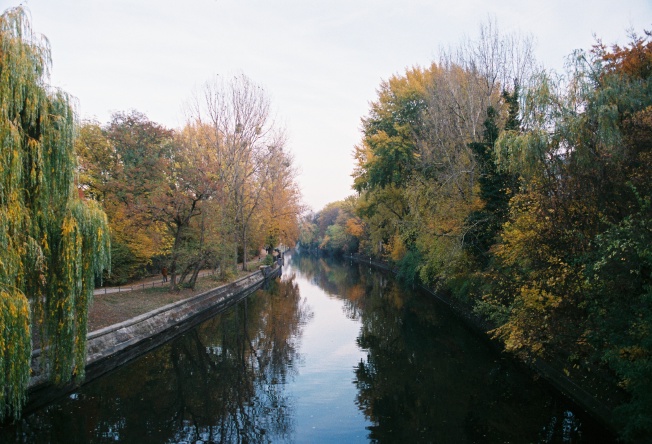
(323, 391)
(285, 366)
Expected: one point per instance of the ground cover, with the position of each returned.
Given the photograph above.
(112, 308)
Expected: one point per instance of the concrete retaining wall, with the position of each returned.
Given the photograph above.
(116, 344)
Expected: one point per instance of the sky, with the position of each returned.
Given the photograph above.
(320, 62)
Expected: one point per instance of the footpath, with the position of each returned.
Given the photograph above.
(142, 284)
(117, 343)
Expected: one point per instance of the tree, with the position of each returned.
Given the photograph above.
(496, 186)
(281, 201)
(336, 229)
(388, 157)
(122, 165)
(572, 277)
(145, 154)
(619, 272)
(52, 243)
(189, 181)
(422, 169)
(389, 149)
(467, 84)
(98, 162)
(244, 139)
(308, 232)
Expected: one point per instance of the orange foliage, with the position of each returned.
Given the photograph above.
(634, 60)
(355, 227)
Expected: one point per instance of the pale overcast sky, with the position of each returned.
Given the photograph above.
(320, 62)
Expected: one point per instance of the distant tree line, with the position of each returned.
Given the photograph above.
(524, 194)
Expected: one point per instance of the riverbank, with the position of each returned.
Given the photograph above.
(594, 403)
(118, 343)
(111, 307)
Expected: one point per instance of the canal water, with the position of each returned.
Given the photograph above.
(333, 352)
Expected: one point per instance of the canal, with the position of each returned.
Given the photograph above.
(333, 352)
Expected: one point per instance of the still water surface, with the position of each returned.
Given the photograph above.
(334, 352)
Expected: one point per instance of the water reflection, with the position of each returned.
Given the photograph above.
(339, 280)
(426, 378)
(220, 382)
(374, 362)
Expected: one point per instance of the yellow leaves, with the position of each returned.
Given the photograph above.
(633, 353)
(397, 248)
(538, 299)
(324, 243)
(15, 344)
(355, 227)
(69, 226)
(519, 238)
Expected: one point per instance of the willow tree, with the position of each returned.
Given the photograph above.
(52, 244)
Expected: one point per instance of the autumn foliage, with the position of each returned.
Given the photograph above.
(84, 202)
(526, 196)
(53, 245)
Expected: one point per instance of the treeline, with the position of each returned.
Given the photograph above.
(525, 194)
(209, 195)
(335, 229)
(79, 200)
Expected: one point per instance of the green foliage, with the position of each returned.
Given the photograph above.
(336, 229)
(621, 312)
(308, 234)
(52, 244)
(573, 275)
(409, 267)
(496, 187)
(543, 224)
(269, 260)
(391, 131)
(15, 352)
(124, 264)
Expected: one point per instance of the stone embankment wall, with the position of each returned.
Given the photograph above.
(116, 344)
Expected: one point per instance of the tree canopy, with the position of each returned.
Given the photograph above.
(525, 195)
(52, 243)
(205, 195)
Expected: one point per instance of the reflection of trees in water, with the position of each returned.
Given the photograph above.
(427, 379)
(231, 371)
(330, 275)
(220, 382)
(340, 279)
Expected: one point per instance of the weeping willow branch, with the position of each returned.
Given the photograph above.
(52, 244)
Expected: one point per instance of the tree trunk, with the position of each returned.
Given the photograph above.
(173, 264)
(195, 273)
(244, 248)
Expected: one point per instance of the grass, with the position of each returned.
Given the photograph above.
(112, 308)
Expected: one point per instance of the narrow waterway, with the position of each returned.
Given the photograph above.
(333, 352)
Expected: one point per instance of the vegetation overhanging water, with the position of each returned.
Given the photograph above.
(332, 353)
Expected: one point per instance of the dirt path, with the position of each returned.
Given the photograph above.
(143, 284)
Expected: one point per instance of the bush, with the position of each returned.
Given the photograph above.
(269, 260)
